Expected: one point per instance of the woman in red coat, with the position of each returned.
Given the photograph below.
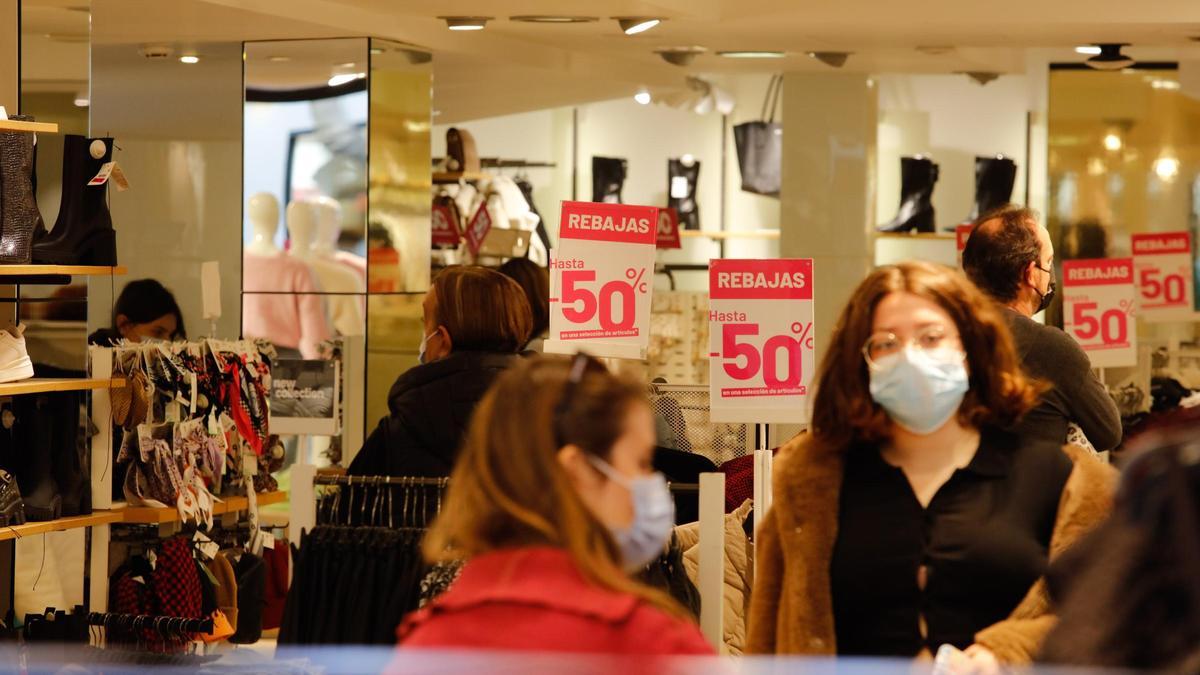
(553, 499)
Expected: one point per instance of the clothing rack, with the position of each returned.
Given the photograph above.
(501, 163)
(176, 624)
(406, 481)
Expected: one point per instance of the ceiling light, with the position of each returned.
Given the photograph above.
(339, 80)
(834, 59)
(81, 100)
(1096, 167)
(748, 54)
(279, 59)
(376, 51)
(349, 64)
(632, 25)
(546, 18)
(73, 38)
(642, 97)
(1112, 142)
(1110, 58)
(1088, 50)
(1169, 85)
(465, 22)
(1166, 168)
(680, 56)
(981, 77)
(189, 59)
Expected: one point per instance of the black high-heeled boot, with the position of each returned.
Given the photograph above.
(994, 179)
(918, 175)
(19, 214)
(83, 233)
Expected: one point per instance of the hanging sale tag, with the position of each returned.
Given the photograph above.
(761, 355)
(478, 228)
(118, 178)
(600, 280)
(1163, 264)
(1098, 310)
(445, 232)
(668, 228)
(961, 234)
(102, 176)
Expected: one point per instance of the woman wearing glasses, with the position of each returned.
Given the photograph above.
(552, 502)
(908, 519)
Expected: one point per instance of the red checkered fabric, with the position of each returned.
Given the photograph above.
(739, 480)
(176, 582)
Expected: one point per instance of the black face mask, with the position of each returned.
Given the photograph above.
(1048, 296)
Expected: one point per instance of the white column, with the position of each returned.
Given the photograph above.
(712, 558)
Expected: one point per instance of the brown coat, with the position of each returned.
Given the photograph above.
(791, 608)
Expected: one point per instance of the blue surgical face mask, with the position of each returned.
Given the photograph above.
(920, 389)
(653, 516)
(421, 351)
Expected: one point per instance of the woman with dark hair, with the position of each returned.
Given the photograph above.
(145, 310)
(476, 321)
(535, 281)
(908, 519)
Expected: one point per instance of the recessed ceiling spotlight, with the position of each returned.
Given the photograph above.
(348, 64)
(834, 59)
(279, 59)
(981, 77)
(642, 97)
(751, 54)
(632, 25)
(680, 56)
(190, 59)
(465, 22)
(1110, 57)
(1088, 50)
(82, 100)
(343, 78)
(547, 18)
(72, 38)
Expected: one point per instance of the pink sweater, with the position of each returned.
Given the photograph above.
(292, 321)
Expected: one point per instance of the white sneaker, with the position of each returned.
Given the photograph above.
(14, 359)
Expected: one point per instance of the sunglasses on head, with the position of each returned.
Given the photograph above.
(581, 365)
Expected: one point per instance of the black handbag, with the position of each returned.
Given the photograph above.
(760, 146)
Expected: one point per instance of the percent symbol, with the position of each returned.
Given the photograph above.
(803, 330)
(636, 275)
(1126, 306)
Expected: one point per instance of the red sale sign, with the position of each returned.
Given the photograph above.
(761, 356)
(1098, 310)
(478, 228)
(668, 228)
(1163, 264)
(961, 234)
(445, 231)
(600, 280)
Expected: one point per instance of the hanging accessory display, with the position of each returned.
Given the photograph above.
(83, 232)
(12, 508)
(19, 214)
(760, 146)
(918, 175)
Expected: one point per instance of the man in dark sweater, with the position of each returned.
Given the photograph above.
(1011, 258)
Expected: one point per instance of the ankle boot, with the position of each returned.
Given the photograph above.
(608, 177)
(681, 192)
(19, 214)
(83, 233)
(994, 179)
(33, 433)
(917, 178)
(71, 468)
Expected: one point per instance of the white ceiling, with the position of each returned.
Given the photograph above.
(512, 66)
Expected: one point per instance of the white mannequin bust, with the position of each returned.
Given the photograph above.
(263, 211)
(302, 228)
(329, 226)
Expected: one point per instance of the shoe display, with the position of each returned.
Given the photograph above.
(14, 359)
(12, 508)
(19, 214)
(682, 177)
(83, 233)
(608, 177)
(994, 179)
(69, 449)
(32, 436)
(918, 175)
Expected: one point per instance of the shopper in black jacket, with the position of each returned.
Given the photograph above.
(476, 321)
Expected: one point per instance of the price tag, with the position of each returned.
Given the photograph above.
(478, 228)
(102, 175)
(961, 234)
(761, 356)
(600, 280)
(1163, 264)
(445, 231)
(1098, 308)
(118, 178)
(668, 228)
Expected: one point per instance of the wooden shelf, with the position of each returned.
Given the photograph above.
(729, 234)
(72, 523)
(148, 515)
(40, 385)
(60, 270)
(442, 177)
(31, 127)
(916, 235)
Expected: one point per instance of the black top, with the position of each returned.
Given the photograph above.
(984, 541)
(430, 406)
(1077, 396)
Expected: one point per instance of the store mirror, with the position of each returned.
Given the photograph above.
(305, 161)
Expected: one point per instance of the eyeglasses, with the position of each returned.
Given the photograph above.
(581, 365)
(881, 345)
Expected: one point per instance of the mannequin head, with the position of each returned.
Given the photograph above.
(329, 225)
(147, 310)
(301, 227)
(263, 211)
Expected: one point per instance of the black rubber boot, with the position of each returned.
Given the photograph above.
(917, 178)
(83, 233)
(994, 179)
(33, 433)
(19, 214)
(608, 177)
(70, 461)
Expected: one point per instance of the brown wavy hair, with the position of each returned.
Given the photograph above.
(1000, 393)
(482, 309)
(508, 489)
